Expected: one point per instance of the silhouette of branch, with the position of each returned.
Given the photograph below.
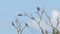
(18, 26)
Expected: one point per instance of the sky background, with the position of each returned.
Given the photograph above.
(10, 8)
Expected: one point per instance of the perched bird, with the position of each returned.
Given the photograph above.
(26, 24)
(53, 31)
(33, 18)
(46, 31)
(13, 24)
(38, 8)
(20, 14)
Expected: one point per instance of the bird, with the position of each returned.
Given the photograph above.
(53, 31)
(26, 24)
(38, 8)
(13, 24)
(46, 31)
(20, 14)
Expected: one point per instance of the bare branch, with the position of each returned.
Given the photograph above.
(42, 30)
(57, 22)
(31, 17)
(17, 23)
(23, 28)
(49, 18)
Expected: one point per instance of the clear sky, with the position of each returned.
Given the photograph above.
(10, 8)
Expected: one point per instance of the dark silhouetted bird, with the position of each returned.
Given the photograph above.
(26, 24)
(20, 14)
(13, 24)
(38, 8)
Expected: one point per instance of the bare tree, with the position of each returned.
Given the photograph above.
(18, 26)
(54, 29)
(40, 17)
(40, 13)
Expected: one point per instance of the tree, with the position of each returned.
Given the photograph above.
(18, 26)
(40, 14)
(40, 18)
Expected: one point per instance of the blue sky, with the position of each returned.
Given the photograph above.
(10, 8)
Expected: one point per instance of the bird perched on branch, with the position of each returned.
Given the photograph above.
(13, 24)
(26, 24)
(38, 8)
